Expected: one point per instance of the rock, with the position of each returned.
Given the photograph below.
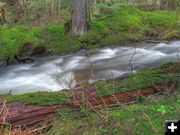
(83, 52)
(84, 45)
(27, 50)
(139, 67)
(23, 59)
(29, 53)
(39, 50)
(92, 52)
(4, 62)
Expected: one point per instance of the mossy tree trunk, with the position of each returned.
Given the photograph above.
(79, 25)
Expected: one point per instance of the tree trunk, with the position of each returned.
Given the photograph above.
(169, 4)
(2, 16)
(79, 24)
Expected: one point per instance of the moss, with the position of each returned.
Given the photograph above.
(140, 80)
(58, 40)
(125, 25)
(140, 118)
(12, 39)
(130, 25)
(40, 98)
(115, 28)
(161, 19)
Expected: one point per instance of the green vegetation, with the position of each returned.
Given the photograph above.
(40, 98)
(125, 25)
(12, 39)
(145, 117)
(140, 80)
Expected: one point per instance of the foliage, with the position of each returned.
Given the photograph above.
(12, 39)
(162, 109)
(161, 19)
(54, 37)
(40, 98)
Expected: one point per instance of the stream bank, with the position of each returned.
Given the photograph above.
(34, 115)
(56, 73)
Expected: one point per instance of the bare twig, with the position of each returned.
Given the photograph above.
(178, 57)
(130, 61)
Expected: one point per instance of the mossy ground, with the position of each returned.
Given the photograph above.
(143, 118)
(146, 117)
(40, 98)
(125, 25)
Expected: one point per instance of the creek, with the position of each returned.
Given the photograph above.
(56, 73)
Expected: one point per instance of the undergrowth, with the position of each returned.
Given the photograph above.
(142, 118)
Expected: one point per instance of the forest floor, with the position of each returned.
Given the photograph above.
(121, 110)
(122, 26)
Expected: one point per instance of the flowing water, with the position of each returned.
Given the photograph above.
(62, 72)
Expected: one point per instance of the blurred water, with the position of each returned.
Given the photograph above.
(62, 72)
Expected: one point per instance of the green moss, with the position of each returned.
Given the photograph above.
(40, 98)
(13, 38)
(131, 25)
(147, 117)
(55, 37)
(112, 29)
(125, 25)
(161, 19)
(139, 80)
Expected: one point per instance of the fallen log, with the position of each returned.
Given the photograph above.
(34, 116)
(21, 115)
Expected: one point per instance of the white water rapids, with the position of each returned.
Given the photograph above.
(61, 72)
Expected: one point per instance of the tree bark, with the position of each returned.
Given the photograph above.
(169, 4)
(79, 25)
(2, 16)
